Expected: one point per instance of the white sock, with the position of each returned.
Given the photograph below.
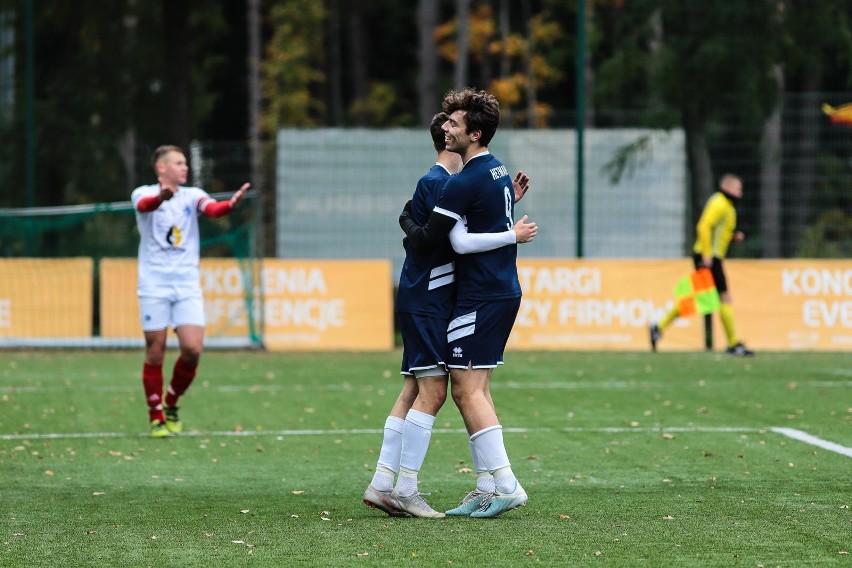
(488, 445)
(484, 479)
(505, 480)
(416, 434)
(389, 455)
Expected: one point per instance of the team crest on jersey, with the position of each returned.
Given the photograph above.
(457, 351)
(173, 237)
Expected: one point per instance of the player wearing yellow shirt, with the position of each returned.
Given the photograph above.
(714, 232)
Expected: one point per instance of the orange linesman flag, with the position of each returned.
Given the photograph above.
(840, 115)
(697, 292)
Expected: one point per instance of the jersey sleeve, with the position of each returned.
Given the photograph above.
(467, 243)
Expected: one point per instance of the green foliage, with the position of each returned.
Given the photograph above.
(382, 107)
(291, 67)
(830, 236)
(629, 460)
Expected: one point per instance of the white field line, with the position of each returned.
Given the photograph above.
(251, 389)
(281, 434)
(813, 441)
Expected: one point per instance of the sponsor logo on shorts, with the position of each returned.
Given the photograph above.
(457, 352)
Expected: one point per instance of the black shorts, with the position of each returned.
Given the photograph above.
(716, 269)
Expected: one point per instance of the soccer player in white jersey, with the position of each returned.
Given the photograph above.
(168, 286)
(424, 305)
(488, 293)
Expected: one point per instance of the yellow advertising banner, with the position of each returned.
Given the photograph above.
(608, 304)
(119, 306)
(46, 298)
(327, 305)
(600, 305)
(302, 304)
(791, 304)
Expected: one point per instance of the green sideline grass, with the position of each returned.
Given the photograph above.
(629, 460)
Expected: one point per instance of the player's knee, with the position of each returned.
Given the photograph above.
(191, 354)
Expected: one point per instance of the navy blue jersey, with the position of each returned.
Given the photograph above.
(482, 195)
(427, 281)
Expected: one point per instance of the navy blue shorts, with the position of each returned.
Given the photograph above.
(478, 332)
(424, 342)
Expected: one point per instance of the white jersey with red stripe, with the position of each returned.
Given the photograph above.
(169, 239)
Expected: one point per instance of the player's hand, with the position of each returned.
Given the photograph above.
(521, 185)
(238, 196)
(707, 261)
(739, 237)
(405, 215)
(525, 232)
(167, 191)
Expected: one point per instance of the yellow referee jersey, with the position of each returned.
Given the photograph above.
(715, 227)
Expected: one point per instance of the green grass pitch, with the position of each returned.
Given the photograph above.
(628, 459)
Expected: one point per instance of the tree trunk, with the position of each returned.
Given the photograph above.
(589, 70)
(655, 47)
(808, 137)
(178, 65)
(358, 51)
(531, 93)
(770, 173)
(427, 57)
(698, 161)
(334, 97)
(462, 17)
(503, 18)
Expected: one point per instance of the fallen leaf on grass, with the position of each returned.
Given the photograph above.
(298, 491)
(668, 436)
(153, 537)
(529, 552)
(294, 516)
(244, 511)
(238, 542)
(48, 472)
(842, 553)
(114, 453)
(465, 470)
(564, 516)
(91, 532)
(17, 534)
(598, 553)
(531, 458)
(362, 554)
(668, 518)
(98, 493)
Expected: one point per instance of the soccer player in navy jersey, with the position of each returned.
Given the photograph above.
(424, 304)
(488, 293)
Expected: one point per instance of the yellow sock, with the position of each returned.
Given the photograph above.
(726, 314)
(668, 319)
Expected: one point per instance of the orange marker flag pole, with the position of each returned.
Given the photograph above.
(841, 115)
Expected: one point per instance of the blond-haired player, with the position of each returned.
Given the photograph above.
(168, 287)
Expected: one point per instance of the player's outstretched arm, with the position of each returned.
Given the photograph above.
(222, 208)
(428, 237)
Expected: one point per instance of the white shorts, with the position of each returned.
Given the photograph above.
(161, 307)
